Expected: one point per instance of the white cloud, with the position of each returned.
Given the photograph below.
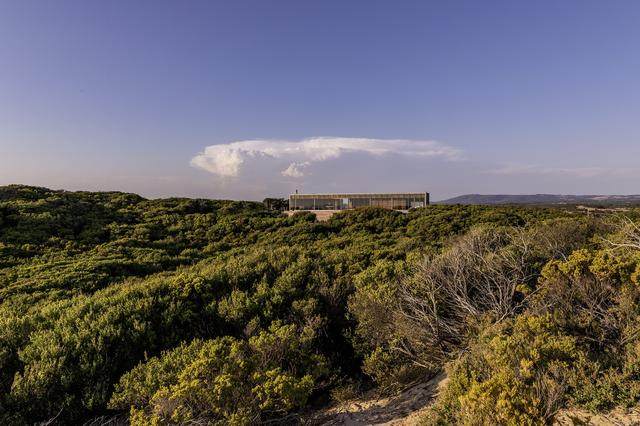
(227, 160)
(577, 172)
(295, 170)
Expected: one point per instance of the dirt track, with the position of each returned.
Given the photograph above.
(405, 408)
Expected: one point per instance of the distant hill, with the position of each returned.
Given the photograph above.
(545, 199)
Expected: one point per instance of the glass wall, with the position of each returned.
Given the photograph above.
(360, 202)
(352, 201)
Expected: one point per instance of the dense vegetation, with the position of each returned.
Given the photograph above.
(177, 310)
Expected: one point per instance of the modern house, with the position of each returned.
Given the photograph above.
(333, 202)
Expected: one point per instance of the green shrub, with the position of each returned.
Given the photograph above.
(223, 380)
(516, 373)
(593, 296)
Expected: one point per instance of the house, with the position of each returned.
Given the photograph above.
(336, 202)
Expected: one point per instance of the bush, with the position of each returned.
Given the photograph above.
(593, 295)
(373, 307)
(483, 276)
(224, 379)
(516, 373)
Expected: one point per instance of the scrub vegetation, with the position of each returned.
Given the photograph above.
(196, 311)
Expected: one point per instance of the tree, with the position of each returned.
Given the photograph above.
(279, 204)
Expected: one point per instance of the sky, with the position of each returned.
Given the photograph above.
(249, 99)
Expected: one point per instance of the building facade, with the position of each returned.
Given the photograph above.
(393, 201)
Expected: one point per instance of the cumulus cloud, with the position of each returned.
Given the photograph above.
(295, 169)
(227, 160)
(577, 172)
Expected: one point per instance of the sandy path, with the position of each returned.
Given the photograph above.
(618, 417)
(405, 408)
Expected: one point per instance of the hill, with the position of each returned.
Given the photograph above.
(543, 199)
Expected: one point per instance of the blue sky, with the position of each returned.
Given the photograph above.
(244, 99)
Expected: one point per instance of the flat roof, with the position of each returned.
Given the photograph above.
(362, 195)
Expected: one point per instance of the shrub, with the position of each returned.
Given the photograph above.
(516, 373)
(479, 277)
(593, 296)
(223, 380)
